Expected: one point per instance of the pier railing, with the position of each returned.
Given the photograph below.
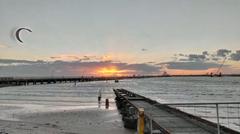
(173, 118)
(224, 114)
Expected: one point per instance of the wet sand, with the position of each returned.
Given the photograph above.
(83, 121)
(59, 109)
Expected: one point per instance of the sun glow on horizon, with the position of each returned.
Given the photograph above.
(111, 71)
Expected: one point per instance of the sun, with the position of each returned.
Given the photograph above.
(110, 71)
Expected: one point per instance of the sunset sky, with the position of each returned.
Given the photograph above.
(119, 37)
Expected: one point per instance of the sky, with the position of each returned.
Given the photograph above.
(119, 37)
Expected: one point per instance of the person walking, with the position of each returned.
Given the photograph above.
(99, 95)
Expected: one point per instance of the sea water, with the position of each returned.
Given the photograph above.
(22, 100)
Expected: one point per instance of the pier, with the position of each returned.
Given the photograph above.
(12, 81)
(163, 118)
(17, 81)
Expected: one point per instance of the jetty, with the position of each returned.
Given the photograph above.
(17, 81)
(161, 118)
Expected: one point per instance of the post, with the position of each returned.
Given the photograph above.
(107, 104)
(140, 121)
(151, 120)
(151, 128)
(75, 83)
(218, 124)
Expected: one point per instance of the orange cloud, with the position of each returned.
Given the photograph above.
(116, 57)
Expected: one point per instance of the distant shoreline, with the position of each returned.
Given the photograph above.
(223, 75)
(16, 81)
(129, 76)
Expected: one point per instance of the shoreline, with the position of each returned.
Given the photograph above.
(90, 121)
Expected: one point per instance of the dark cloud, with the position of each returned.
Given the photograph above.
(219, 55)
(196, 57)
(205, 53)
(66, 68)
(86, 58)
(144, 49)
(183, 59)
(190, 57)
(223, 52)
(190, 65)
(235, 56)
(215, 59)
(202, 61)
(13, 62)
(181, 54)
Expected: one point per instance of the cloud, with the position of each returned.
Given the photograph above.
(191, 57)
(66, 57)
(183, 60)
(205, 53)
(206, 56)
(55, 57)
(235, 56)
(69, 68)
(77, 65)
(12, 62)
(190, 65)
(223, 52)
(201, 62)
(215, 59)
(181, 54)
(72, 57)
(196, 57)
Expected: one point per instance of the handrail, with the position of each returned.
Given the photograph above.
(216, 106)
(201, 103)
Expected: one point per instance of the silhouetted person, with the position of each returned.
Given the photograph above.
(107, 104)
(99, 95)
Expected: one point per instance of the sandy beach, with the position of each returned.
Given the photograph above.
(83, 121)
(59, 109)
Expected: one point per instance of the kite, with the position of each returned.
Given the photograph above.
(19, 31)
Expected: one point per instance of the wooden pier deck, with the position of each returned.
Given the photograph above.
(169, 120)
